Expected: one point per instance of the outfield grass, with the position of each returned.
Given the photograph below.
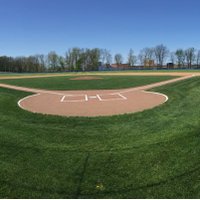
(107, 82)
(152, 154)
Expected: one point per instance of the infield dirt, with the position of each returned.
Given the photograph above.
(93, 103)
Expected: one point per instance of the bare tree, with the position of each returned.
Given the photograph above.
(131, 58)
(161, 53)
(190, 56)
(103, 56)
(180, 55)
(198, 58)
(172, 57)
(118, 59)
(146, 54)
(106, 57)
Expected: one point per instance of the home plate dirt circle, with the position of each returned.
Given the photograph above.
(91, 104)
(94, 102)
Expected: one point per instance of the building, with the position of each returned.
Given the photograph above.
(149, 63)
(170, 65)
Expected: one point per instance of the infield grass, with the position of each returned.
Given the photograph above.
(106, 82)
(151, 154)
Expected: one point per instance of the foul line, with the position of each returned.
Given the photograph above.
(145, 87)
(154, 85)
(141, 88)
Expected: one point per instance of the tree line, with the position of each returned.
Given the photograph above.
(80, 59)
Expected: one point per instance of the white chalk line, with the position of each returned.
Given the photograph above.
(154, 85)
(25, 98)
(98, 96)
(157, 93)
(150, 86)
(65, 98)
(123, 97)
(86, 97)
(120, 97)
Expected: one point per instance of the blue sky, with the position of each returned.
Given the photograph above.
(39, 26)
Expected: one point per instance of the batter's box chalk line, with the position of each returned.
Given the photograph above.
(84, 97)
(74, 98)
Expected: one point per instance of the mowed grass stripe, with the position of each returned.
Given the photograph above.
(152, 154)
(106, 82)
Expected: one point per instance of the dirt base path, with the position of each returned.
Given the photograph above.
(93, 102)
(130, 73)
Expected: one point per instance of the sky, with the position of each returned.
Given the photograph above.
(29, 27)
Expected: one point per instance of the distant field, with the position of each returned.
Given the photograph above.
(106, 82)
(97, 73)
(152, 154)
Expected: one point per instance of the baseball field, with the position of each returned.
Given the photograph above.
(100, 135)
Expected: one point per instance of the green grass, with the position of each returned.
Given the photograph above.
(107, 82)
(152, 154)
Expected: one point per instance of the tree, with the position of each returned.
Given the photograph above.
(42, 62)
(73, 58)
(5, 64)
(131, 58)
(161, 53)
(95, 55)
(118, 59)
(61, 61)
(53, 60)
(106, 57)
(190, 56)
(198, 58)
(172, 57)
(146, 54)
(103, 56)
(180, 55)
(83, 59)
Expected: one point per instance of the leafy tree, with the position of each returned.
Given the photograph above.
(53, 60)
(180, 55)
